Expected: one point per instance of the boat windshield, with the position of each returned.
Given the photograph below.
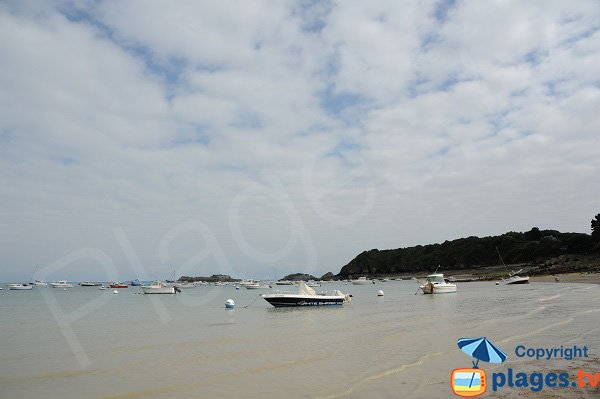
(436, 278)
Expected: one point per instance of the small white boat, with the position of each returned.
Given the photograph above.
(102, 287)
(20, 287)
(362, 281)
(158, 287)
(306, 296)
(257, 286)
(436, 284)
(61, 284)
(184, 285)
(313, 284)
(514, 278)
(87, 284)
(284, 282)
(39, 282)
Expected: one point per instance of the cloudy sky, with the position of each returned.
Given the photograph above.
(259, 138)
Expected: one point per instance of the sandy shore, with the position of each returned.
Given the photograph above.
(590, 278)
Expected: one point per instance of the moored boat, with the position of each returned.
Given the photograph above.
(118, 285)
(20, 287)
(87, 284)
(61, 284)
(257, 286)
(362, 281)
(306, 296)
(514, 278)
(136, 283)
(39, 282)
(158, 287)
(436, 284)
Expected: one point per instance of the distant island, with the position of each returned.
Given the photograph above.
(215, 278)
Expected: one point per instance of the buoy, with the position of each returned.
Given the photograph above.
(64, 289)
(380, 293)
(229, 304)
(237, 287)
(115, 292)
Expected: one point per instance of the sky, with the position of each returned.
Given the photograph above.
(143, 138)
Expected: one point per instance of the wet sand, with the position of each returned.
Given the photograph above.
(588, 278)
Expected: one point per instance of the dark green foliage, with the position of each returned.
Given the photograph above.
(533, 246)
(212, 279)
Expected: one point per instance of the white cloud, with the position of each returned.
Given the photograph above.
(336, 127)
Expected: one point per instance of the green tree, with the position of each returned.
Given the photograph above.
(596, 227)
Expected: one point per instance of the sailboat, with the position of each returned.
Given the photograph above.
(513, 277)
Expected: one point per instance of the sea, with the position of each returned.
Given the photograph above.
(86, 343)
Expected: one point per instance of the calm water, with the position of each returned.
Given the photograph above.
(87, 343)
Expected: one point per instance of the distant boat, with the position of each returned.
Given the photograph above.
(184, 285)
(256, 286)
(20, 287)
(313, 284)
(102, 287)
(513, 277)
(306, 296)
(87, 284)
(362, 281)
(436, 284)
(284, 282)
(136, 283)
(118, 285)
(39, 282)
(61, 284)
(158, 287)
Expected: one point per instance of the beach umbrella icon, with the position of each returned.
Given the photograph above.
(481, 349)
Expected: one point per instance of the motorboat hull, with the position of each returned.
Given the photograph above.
(61, 285)
(517, 280)
(118, 286)
(438, 288)
(158, 290)
(363, 281)
(288, 300)
(257, 287)
(20, 287)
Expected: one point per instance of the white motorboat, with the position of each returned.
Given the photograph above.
(514, 278)
(362, 281)
(436, 284)
(257, 286)
(102, 287)
(61, 284)
(306, 296)
(87, 284)
(39, 282)
(158, 287)
(313, 284)
(20, 287)
(284, 282)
